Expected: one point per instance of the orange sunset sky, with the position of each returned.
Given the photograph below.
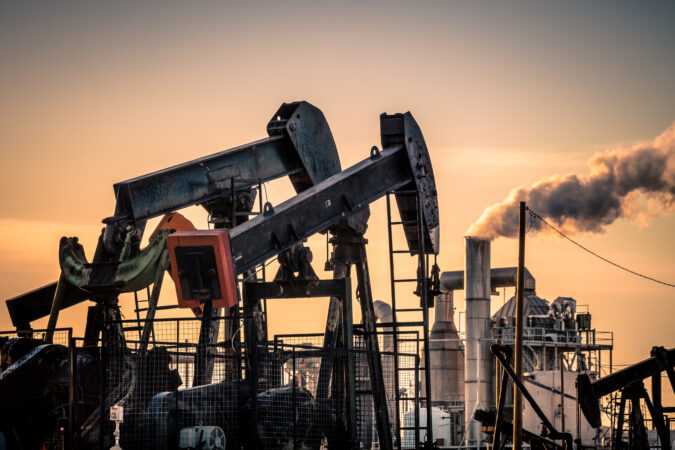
(506, 93)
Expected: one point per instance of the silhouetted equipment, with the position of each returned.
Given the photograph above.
(629, 381)
(300, 145)
(503, 354)
(205, 266)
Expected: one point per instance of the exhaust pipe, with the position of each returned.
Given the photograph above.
(477, 360)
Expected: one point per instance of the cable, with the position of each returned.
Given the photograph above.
(234, 336)
(534, 214)
(264, 185)
(261, 268)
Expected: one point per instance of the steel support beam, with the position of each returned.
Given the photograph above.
(372, 346)
(300, 144)
(339, 289)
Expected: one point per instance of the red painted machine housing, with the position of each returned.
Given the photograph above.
(220, 242)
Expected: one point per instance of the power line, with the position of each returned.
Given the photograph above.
(534, 214)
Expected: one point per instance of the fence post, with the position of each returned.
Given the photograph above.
(254, 395)
(72, 400)
(417, 398)
(295, 405)
(102, 383)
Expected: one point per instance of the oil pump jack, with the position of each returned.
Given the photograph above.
(328, 200)
(629, 381)
(300, 145)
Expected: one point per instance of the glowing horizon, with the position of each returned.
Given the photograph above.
(505, 94)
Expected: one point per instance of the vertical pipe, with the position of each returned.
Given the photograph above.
(562, 396)
(477, 356)
(518, 397)
(295, 406)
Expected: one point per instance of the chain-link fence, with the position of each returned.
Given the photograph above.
(60, 336)
(34, 388)
(189, 386)
(401, 375)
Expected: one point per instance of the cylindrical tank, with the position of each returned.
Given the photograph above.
(446, 356)
(442, 427)
(477, 359)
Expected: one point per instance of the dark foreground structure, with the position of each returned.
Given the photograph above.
(217, 380)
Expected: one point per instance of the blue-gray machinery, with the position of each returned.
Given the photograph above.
(300, 145)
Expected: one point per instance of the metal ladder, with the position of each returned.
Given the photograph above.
(409, 218)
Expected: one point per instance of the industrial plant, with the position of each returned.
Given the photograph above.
(535, 373)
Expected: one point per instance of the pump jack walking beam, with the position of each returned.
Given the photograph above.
(403, 162)
(340, 204)
(629, 379)
(300, 145)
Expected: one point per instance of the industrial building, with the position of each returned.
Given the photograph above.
(556, 339)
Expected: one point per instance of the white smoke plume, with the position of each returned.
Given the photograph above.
(635, 183)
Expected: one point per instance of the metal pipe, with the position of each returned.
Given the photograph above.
(518, 399)
(499, 277)
(562, 395)
(477, 359)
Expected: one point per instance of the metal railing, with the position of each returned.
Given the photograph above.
(551, 336)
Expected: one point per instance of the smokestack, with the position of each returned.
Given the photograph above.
(619, 183)
(383, 313)
(477, 379)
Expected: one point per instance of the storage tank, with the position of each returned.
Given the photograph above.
(442, 427)
(446, 356)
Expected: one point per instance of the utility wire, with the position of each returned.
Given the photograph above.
(534, 214)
